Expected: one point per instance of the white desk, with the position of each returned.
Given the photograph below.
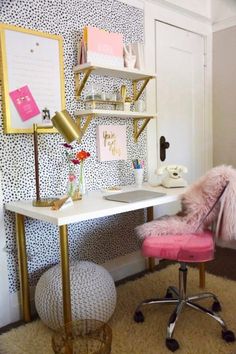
(90, 207)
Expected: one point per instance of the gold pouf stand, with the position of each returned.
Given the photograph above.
(83, 337)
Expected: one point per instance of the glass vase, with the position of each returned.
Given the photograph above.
(82, 182)
(71, 185)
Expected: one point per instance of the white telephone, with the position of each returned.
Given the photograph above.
(174, 177)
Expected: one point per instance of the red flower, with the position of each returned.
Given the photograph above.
(82, 155)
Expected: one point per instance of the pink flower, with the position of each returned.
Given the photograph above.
(71, 177)
(67, 146)
(75, 161)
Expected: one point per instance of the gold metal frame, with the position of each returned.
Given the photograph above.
(94, 103)
(202, 280)
(23, 269)
(24, 276)
(138, 91)
(65, 272)
(83, 128)
(80, 82)
(138, 130)
(4, 77)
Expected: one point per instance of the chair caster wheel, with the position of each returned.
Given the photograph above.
(228, 336)
(169, 295)
(216, 307)
(138, 317)
(172, 344)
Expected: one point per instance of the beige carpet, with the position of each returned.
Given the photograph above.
(196, 333)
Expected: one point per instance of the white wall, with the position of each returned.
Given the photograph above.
(4, 293)
(201, 7)
(223, 9)
(224, 103)
(223, 14)
(135, 3)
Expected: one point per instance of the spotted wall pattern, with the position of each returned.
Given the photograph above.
(99, 239)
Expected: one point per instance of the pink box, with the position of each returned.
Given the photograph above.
(111, 142)
(24, 103)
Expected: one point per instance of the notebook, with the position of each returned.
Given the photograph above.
(133, 196)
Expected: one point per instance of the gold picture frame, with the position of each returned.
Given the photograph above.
(36, 62)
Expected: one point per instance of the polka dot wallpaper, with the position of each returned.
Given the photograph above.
(100, 239)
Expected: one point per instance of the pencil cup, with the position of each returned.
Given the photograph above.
(138, 176)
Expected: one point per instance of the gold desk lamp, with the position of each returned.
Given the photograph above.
(68, 129)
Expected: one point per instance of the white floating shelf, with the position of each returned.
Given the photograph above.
(114, 113)
(124, 73)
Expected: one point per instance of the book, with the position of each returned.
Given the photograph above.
(79, 52)
(101, 47)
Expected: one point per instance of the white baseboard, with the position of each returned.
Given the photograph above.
(119, 268)
(226, 244)
(14, 300)
(124, 266)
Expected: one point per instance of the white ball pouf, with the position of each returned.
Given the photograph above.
(93, 294)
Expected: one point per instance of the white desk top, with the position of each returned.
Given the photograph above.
(92, 206)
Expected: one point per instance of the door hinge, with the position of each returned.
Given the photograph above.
(205, 60)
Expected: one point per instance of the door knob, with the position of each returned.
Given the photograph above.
(163, 146)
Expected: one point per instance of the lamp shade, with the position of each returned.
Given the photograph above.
(66, 126)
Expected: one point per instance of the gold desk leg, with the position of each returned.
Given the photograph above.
(23, 269)
(65, 271)
(149, 213)
(151, 261)
(202, 278)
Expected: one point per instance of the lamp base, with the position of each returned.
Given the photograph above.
(44, 202)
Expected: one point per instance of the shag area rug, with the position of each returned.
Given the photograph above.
(195, 332)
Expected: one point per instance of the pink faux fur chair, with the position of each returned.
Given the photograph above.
(196, 202)
(186, 238)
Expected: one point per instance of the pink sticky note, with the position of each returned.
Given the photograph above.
(24, 103)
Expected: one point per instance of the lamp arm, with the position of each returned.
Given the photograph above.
(36, 162)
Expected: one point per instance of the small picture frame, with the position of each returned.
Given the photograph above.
(111, 142)
(46, 116)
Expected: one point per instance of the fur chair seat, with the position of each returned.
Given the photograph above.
(196, 202)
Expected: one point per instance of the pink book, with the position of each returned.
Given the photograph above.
(24, 103)
(104, 42)
(103, 47)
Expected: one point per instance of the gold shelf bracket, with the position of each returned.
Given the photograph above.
(79, 84)
(137, 92)
(83, 128)
(138, 130)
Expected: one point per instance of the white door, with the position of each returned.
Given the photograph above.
(180, 97)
